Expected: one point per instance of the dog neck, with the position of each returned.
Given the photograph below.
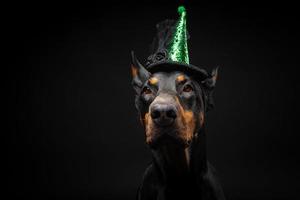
(176, 165)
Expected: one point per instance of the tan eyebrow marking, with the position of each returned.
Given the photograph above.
(180, 78)
(153, 80)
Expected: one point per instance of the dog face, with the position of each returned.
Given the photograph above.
(171, 105)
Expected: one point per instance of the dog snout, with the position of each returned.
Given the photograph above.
(163, 114)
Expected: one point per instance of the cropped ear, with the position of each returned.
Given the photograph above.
(210, 82)
(209, 85)
(139, 73)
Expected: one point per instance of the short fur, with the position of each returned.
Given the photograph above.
(179, 169)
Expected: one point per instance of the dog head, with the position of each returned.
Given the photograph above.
(171, 105)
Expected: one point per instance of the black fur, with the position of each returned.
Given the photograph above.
(167, 177)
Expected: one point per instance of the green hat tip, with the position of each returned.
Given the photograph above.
(181, 9)
(178, 48)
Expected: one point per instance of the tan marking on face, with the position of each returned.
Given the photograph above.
(153, 81)
(185, 122)
(148, 123)
(201, 118)
(134, 71)
(180, 78)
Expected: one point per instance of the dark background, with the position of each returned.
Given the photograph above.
(73, 128)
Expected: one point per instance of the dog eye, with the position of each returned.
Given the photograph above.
(146, 90)
(187, 88)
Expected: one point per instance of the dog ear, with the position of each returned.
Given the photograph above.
(209, 85)
(139, 73)
(210, 82)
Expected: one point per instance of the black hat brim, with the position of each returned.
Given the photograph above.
(199, 74)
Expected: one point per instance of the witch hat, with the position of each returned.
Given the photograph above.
(170, 50)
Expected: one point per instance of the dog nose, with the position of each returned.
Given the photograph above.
(163, 114)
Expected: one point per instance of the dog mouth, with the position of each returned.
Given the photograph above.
(167, 135)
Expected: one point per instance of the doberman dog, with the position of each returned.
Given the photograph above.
(172, 107)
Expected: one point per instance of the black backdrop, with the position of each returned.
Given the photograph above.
(73, 128)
